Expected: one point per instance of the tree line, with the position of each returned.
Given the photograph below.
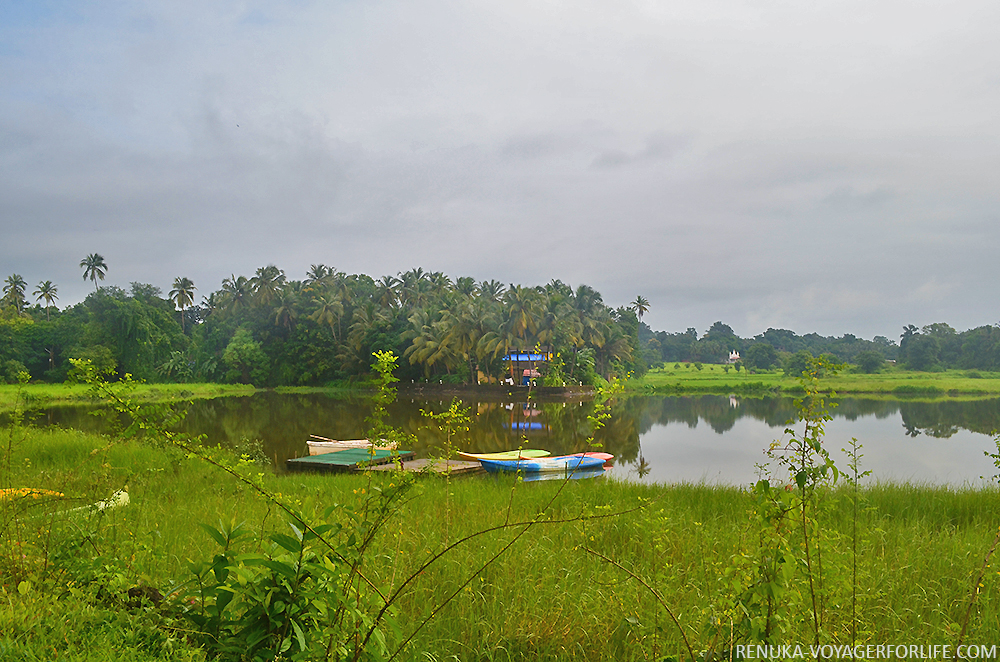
(270, 330)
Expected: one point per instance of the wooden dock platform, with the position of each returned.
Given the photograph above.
(435, 466)
(351, 459)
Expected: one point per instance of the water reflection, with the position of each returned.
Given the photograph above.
(714, 438)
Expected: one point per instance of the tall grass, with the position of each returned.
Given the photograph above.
(546, 598)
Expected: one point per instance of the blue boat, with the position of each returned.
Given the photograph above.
(565, 464)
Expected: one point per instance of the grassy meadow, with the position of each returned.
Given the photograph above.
(919, 551)
(38, 394)
(890, 382)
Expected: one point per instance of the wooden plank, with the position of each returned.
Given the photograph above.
(436, 466)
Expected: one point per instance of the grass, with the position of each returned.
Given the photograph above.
(891, 382)
(37, 395)
(547, 598)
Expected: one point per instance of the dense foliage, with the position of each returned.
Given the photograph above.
(269, 330)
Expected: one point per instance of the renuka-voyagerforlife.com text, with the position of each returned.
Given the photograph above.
(867, 652)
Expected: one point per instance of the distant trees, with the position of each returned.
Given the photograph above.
(798, 363)
(760, 356)
(869, 361)
(274, 330)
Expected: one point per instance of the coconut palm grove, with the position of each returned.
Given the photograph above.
(272, 330)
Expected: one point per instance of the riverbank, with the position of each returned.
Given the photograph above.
(891, 382)
(546, 597)
(40, 395)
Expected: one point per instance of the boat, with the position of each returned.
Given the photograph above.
(607, 457)
(320, 445)
(567, 464)
(526, 453)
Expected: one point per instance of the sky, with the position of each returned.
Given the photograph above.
(827, 167)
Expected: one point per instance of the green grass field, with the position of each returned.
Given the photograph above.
(547, 598)
(891, 382)
(36, 395)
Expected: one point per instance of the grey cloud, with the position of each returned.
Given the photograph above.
(725, 162)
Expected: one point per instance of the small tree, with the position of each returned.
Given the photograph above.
(869, 362)
(246, 359)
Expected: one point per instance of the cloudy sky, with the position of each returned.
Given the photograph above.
(829, 166)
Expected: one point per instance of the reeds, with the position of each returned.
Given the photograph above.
(919, 548)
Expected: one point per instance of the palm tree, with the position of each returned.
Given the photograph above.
(318, 273)
(236, 293)
(522, 307)
(491, 289)
(286, 306)
(413, 287)
(14, 291)
(388, 291)
(329, 312)
(266, 283)
(182, 295)
(94, 268)
(640, 306)
(46, 291)
(465, 285)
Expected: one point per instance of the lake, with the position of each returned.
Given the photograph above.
(716, 439)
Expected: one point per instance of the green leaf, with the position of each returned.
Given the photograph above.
(215, 533)
(278, 567)
(220, 566)
(299, 635)
(288, 542)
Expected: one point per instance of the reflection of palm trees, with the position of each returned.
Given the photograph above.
(642, 467)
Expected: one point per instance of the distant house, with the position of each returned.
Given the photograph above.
(524, 365)
(734, 356)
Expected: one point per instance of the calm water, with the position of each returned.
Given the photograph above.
(663, 439)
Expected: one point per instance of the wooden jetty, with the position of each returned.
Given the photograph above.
(350, 459)
(435, 466)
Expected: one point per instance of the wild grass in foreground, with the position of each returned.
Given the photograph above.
(919, 550)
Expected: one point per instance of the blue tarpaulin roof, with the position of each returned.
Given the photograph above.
(526, 425)
(526, 357)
